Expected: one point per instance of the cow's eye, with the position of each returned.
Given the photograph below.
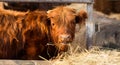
(52, 24)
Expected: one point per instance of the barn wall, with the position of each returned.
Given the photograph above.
(31, 6)
(107, 6)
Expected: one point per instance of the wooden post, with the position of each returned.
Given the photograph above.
(90, 28)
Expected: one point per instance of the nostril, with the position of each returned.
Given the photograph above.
(69, 36)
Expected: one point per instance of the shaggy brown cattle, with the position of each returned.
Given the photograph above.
(63, 21)
(28, 35)
(23, 36)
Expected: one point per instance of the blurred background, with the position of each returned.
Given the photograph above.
(107, 6)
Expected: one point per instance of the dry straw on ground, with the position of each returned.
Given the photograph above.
(95, 56)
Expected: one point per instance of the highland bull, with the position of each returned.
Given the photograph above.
(27, 36)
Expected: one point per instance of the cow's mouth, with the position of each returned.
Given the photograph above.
(63, 46)
(65, 42)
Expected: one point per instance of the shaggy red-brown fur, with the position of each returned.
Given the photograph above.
(23, 36)
(11, 38)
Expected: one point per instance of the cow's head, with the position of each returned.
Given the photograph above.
(62, 25)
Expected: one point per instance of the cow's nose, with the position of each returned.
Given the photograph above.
(65, 38)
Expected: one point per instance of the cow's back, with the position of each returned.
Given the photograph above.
(23, 36)
(10, 36)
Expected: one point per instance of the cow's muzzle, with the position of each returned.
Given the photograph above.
(63, 42)
(65, 38)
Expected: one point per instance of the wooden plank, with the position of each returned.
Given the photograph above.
(60, 1)
(24, 62)
(90, 26)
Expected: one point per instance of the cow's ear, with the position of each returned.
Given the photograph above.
(81, 17)
(49, 13)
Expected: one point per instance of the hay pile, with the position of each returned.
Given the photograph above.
(92, 57)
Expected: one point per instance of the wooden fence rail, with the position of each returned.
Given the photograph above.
(60, 1)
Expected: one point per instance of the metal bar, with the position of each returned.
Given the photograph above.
(90, 26)
(59, 1)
